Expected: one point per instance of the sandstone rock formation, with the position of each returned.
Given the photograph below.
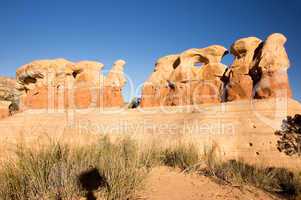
(38, 81)
(112, 91)
(259, 70)
(195, 76)
(177, 80)
(62, 84)
(240, 83)
(85, 83)
(156, 88)
(210, 89)
(272, 62)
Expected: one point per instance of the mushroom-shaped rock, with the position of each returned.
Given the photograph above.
(273, 63)
(186, 70)
(244, 50)
(240, 83)
(213, 54)
(274, 56)
(211, 57)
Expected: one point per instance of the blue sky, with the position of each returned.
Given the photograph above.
(139, 31)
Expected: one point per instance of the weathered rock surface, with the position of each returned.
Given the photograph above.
(111, 95)
(272, 62)
(155, 89)
(178, 80)
(62, 84)
(240, 83)
(197, 76)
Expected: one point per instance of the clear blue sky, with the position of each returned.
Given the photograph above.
(139, 31)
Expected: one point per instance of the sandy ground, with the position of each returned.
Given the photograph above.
(168, 184)
(242, 129)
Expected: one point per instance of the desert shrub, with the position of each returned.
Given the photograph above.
(119, 162)
(135, 103)
(290, 136)
(274, 180)
(181, 155)
(151, 156)
(13, 107)
(53, 171)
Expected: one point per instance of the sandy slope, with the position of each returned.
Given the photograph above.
(166, 184)
(250, 136)
(242, 129)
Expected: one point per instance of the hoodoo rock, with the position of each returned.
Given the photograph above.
(240, 83)
(210, 87)
(156, 88)
(272, 62)
(178, 80)
(85, 83)
(111, 95)
(197, 75)
(59, 84)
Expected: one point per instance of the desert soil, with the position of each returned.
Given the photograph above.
(168, 184)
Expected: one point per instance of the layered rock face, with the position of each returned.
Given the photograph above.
(59, 84)
(8, 96)
(197, 76)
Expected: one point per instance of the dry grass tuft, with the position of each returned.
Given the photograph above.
(52, 172)
(182, 155)
(278, 181)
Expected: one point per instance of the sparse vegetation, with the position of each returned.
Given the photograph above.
(181, 155)
(52, 172)
(13, 107)
(135, 103)
(116, 170)
(274, 180)
(290, 136)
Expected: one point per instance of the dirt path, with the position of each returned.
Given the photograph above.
(166, 184)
